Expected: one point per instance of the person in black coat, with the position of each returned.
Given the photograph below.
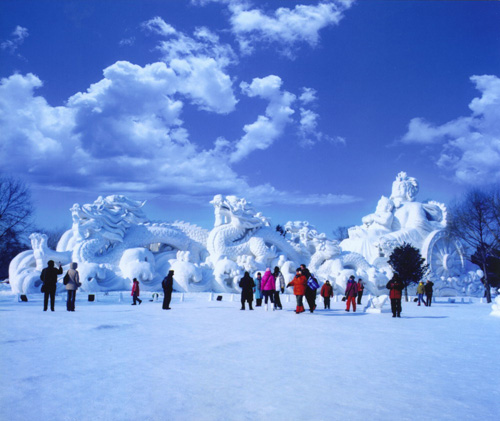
(310, 292)
(168, 286)
(428, 292)
(49, 279)
(396, 291)
(246, 284)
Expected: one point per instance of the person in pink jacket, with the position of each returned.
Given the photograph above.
(267, 285)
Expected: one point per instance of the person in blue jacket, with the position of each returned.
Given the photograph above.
(258, 291)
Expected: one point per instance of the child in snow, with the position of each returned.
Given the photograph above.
(326, 292)
(135, 292)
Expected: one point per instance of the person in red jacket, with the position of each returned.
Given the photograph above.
(396, 287)
(299, 284)
(135, 292)
(326, 292)
(351, 292)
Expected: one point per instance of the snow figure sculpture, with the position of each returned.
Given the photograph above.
(365, 239)
(495, 308)
(402, 219)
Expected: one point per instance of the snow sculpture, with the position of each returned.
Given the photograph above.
(400, 219)
(496, 307)
(239, 231)
(113, 242)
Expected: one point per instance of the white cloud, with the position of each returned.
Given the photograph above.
(124, 134)
(266, 194)
(470, 146)
(159, 26)
(127, 42)
(31, 129)
(285, 27)
(17, 38)
(262, 133)
(308, 95)
(200, 64)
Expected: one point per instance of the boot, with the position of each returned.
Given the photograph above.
(250, 305)
(297, 310)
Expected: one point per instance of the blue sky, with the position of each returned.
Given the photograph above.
(308, 109)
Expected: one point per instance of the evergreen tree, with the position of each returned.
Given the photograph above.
(409, 264)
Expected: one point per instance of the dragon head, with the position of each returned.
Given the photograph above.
(107, 218)
(238, 212)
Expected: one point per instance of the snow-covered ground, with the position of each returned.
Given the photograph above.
(207, 360)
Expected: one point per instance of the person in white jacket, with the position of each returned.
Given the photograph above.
(72, 282)
(279, 287)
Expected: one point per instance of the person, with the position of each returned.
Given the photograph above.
(246, 284)
(72, 281)
(396, 287)
(257, 290)
(135, 292)
(351, 292)
(168, 286)
(310, 292)
(428, 292)
(305, 271)
(279, 287)
(299, 283)
(420, 292)
(361, 287)
(326, 292)
(49, 279)
(267, 285)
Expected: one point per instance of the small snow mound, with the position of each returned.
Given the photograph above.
(496, 307)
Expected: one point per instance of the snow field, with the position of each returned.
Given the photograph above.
(207, 360)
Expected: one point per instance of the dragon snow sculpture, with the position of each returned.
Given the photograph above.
(113, 242)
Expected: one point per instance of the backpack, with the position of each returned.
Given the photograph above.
(312, 282)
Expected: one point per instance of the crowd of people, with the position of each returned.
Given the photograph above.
(265, 287)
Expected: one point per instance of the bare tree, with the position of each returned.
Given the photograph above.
(475, 220)
(340, 233)
(16, 211)
(15, 206)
